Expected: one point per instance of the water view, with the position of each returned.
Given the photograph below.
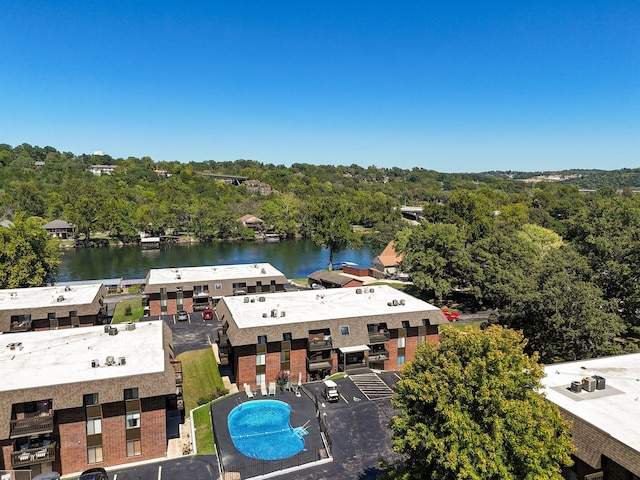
(294, 258)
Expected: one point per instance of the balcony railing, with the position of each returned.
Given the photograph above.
(31, 456)
(315, 364)
(201, 294)
(32, 425)
(378, 355)
(320, 342)
(379, 336)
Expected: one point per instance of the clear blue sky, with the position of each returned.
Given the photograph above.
(454, 86)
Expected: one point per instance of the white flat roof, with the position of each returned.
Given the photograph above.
(614, 410)
(57, 357)
(208, 273)
(38, 297)
(319, 305)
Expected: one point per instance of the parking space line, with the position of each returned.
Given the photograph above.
(345, 400)
(160, 472)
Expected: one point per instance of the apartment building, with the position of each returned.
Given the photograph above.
(601, 397)
(44, 308)
(311, 334)
(71, 399)
(196, 288)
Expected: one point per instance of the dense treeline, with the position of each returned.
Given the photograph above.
(555, 262)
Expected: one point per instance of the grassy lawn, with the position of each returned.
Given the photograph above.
(462, 326)
(204, 430)
(200, 375)
(136, 311)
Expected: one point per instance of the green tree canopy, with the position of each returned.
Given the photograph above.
(471, 410)
(28, 257)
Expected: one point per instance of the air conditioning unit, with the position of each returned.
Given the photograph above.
(95, 363)
(261, 299)
(594, 476)
(264, 315)
(359, 291)
(131, 326)
(589, 384)
(60, 298)
(576, 386)
(371, 290)
(110, 360)
(283, 313)
(122, 360)
(107, 328)
(395, 303)
(600, 382)
(246, 300)
(274, 313)
(113, 331)
(402, 302)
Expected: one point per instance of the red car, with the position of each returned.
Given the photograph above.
(451, 316)
(207, 314)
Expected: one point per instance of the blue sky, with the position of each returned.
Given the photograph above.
(452, 86)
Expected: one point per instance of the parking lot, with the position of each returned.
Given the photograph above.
(195, 333)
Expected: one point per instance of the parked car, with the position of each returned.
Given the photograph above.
(182, 316)
(94, 474)
(47, 476)
(451, 316)
(207, 314)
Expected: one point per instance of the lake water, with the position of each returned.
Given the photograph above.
(294, 258)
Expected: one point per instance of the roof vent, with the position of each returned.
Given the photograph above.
(178, 276)
(13, 295)
(60, 298)
(253, 300)
(95, 363)
(67, 288)
(15, 346)
(264, 315)
(402, 302)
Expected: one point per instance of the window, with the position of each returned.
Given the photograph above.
(401, 342)
(285, 355)
(344, 330)
(405, 324)
(218, 286)
(261, 378)
(94, 426)
(286, 337)
(133, 419)
(131, 393)
(261, 359)
(134, 448)
(262, 339)
(89, 399)
(73, 313)
(94, 454)
(51, 316)
(400, 360)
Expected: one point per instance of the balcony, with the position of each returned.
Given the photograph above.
(316, 364)
(201, 294)
(223, 340)
(378, 355)
(177, 367)
(34, 455)
(21, 326)
(379, 336)
(32, 425)
(319, 342)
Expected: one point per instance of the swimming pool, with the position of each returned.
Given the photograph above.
(260, 429)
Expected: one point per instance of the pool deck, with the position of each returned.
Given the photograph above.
(357, 430)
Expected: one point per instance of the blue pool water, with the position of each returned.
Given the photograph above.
(260, 429)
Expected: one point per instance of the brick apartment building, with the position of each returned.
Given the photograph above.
(315, 333)
(601, 398)
(45, 308)
(98, 396)
(196, 288)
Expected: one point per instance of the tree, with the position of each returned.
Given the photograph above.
(28, 257)
(331, 223)
(471, 410)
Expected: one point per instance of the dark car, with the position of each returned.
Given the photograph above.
(207, 314)
(94, 474)
(182, 316)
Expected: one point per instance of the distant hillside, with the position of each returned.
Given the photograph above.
(583, 179)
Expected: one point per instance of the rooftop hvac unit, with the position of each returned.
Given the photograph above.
(113, 331)
(178, 276)
(95, 363)
(122, 360)
(261, 299)
(107, 328)
(131, 326)
(67, 288)
(110, 360)
(283, 313)
(246, 299)
(600, 382)
(253, 300)
(274, 313)
(264, 315)
(60, 298)
(576, 386)
(371, 290)
(395, 303)
(358, 291)
(264, 271)
(402, 302)
(589, 384)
